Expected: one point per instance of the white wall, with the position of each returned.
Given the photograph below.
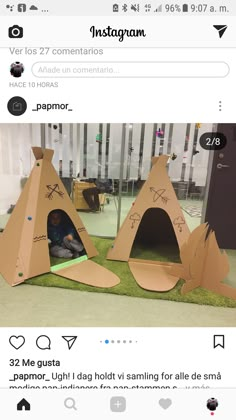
(16, 159)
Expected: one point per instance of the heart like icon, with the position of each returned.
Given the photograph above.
(165, 403)
(17, 341)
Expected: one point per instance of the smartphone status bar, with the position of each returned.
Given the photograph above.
(120, 8)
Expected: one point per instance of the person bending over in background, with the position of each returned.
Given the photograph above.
(91, 195)
(64, 239)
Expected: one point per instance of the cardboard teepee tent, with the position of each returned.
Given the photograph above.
(156, 193)
(202, 262)
(24, 243)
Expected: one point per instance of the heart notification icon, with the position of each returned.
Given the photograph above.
(165, 403)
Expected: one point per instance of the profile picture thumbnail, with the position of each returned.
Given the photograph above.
(17, 69)
(212, 404)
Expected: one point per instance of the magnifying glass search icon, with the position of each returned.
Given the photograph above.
(70, 403)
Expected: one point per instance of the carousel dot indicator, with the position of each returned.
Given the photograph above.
(106, 341)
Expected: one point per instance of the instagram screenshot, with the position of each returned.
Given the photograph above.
(117, 209)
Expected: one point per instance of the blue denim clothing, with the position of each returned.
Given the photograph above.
(57, 233)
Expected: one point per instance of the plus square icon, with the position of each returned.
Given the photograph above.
(118, 404)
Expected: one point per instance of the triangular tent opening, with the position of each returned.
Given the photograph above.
(67, 222)
(156, 193)
(24, 242)
(155, 237)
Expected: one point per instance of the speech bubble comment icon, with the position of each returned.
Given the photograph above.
(43, 342)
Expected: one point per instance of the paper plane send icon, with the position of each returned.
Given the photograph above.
(70, 339)
(221, 29)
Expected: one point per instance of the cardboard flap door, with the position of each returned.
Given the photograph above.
(88, 272)
(154, 276)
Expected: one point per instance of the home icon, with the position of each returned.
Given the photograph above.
(23, 405)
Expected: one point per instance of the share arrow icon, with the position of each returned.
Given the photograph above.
(70, 339)
(221, 29)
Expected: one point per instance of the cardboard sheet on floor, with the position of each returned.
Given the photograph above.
(153, 275)
(90, 273)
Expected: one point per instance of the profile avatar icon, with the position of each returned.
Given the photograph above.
(212, 404)
(17, 69)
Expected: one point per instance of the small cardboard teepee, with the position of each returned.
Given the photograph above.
(24, 249)
(157, 192)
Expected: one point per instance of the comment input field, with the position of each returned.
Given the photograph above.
(121, 69)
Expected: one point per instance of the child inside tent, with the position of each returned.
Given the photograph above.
(65, 242)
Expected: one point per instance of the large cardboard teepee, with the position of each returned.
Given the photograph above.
(24, 249)
(203, 264)
(156, 193)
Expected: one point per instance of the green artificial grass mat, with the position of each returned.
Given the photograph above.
(128, 285)
(68, 263)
